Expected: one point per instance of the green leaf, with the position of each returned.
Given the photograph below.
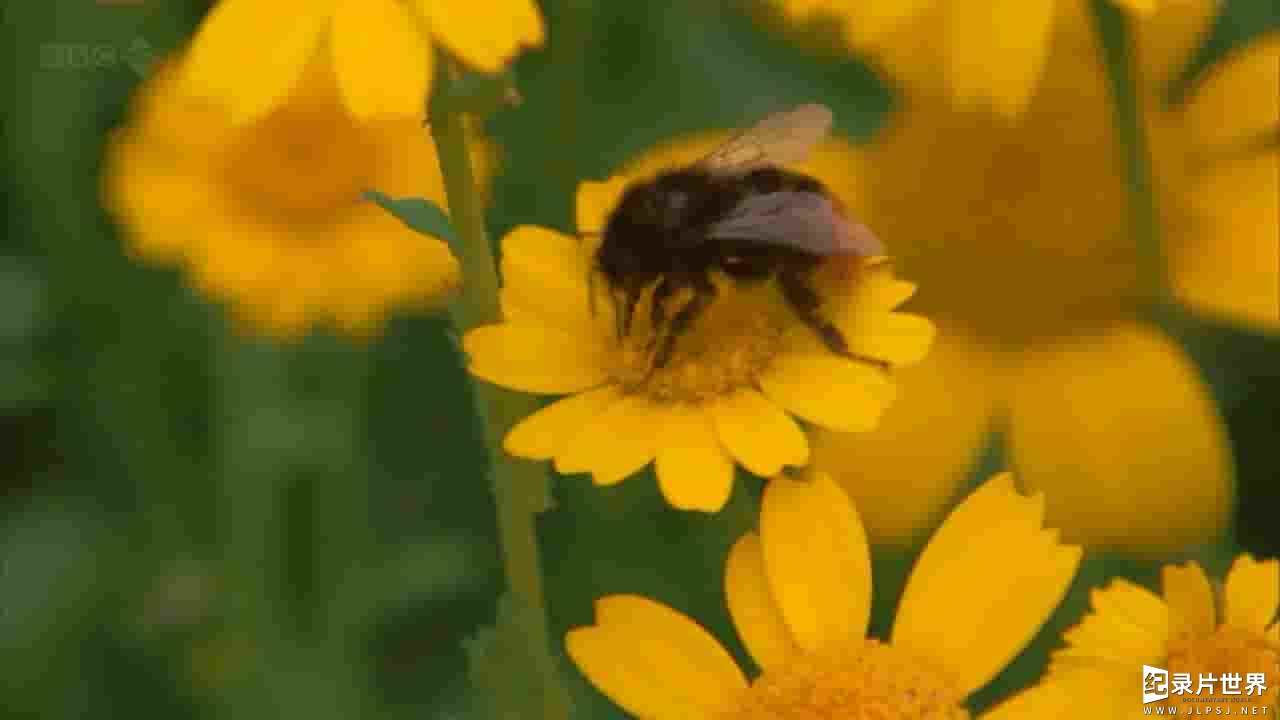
(1241, 23)
(420, 214)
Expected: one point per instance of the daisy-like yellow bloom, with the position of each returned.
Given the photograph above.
(1018, 234)
(736, 378)
(990, 54)
(1195, 628)
(251, 55)
(269, 216)
(799, 593)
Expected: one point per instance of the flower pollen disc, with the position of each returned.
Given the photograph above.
(866, 681)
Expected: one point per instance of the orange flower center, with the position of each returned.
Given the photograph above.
(867, 681)
(726, 348)
(305, 161)
(1226, 652)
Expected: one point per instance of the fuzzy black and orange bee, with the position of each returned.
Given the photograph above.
(737, 211)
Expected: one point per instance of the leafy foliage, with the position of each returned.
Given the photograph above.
(199, 525)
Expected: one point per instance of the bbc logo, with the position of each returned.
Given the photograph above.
(137, 55)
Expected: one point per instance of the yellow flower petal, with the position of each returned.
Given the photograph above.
(829, 390)
(1136, 606)
(243, 268)
(877, 288)
(1128, 624)
(544, 275)
(1142, 7)
(1163, 43)
(1252, 594)
(871, 21)
(929, 438)
(248, 55)
(548, 432)
(1229, 261)
(984, 585)
(1107, 690)
(155, 198)
(616, 444)
(998, 53)
(694, 472)
(755, 614)
(172, 120)
(898, 338)
(534, 359)
(995, 500)
(654, 662)
(596, 199)
(759, 435)
(1184, 136)
(414, 168)
(484, 35)
(398, 267)
(382, 61)
(1237, 101)
(817, 560)
(1142, 425)
(1043, 701)
(1190, 598)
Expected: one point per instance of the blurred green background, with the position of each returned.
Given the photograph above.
(196, 525)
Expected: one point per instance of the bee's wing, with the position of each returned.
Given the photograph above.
(780, 139)
(802, 220)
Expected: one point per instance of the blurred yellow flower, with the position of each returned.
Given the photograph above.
(250, 55)
(1018, 233)
(799, 593)
(994, 53)
(731, 388)
(1194, 627)
(269, 216)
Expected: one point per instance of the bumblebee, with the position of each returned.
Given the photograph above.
(736, 211)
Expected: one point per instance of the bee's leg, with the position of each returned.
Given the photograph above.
(804, 300)
(625, 310)
(703, 293)
(591, 292)
(658, 312)
(619, 317)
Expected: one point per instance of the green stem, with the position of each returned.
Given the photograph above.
(1113, 33)
(519, 486)
(479, 302)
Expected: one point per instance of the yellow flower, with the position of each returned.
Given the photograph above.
(250, 55)
(734, 382)
(1194, 627)
(993, 53)
(269, 216)
(799, 593)
(1018, 234)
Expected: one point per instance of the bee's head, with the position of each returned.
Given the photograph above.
(663, 209)
(653, 223)
(627, 267)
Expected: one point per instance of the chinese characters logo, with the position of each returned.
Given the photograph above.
(1157, 685)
